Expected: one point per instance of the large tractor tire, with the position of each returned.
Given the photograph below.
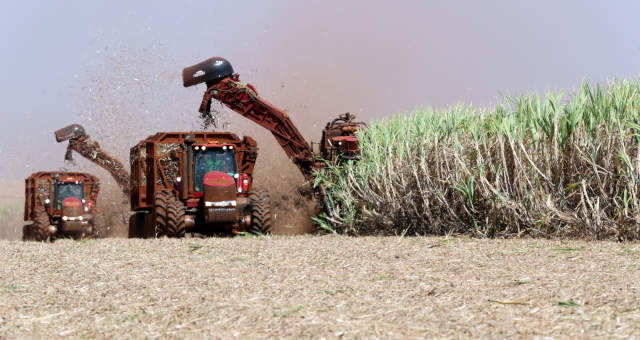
(160, 213)
(260, 212)
(38, 231)
(176, 225)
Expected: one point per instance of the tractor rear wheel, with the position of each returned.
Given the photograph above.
(260, 212)
(38, 230)
(175, 223)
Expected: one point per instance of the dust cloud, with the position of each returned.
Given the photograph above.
(126, 98)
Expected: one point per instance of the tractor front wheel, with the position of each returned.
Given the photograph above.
(161, 198)
(176, 223)
(38, 230)
(260, 212)
(169, 215)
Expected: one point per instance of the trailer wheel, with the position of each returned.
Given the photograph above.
(176, 223)
(136, 225)
(38, 230)
(260, 212)
(161, 199)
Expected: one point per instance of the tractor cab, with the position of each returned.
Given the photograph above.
(213, 158)
(66, 188)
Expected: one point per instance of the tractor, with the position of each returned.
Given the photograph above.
(197, 183)
(61, 204)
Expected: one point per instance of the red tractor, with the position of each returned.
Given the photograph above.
(338, 137)
(61, 204)
(195, 182)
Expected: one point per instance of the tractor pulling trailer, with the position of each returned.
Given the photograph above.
(61, 204)
(196, 182)
(201, 181)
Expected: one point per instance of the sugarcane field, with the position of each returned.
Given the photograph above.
(320, 170)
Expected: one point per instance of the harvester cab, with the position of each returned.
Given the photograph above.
(61, 204)
(339, 142)
(195, 182)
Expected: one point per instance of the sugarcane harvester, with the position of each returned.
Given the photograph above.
(80, 142)
(338, 137)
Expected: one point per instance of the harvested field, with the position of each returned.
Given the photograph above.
(323, 286)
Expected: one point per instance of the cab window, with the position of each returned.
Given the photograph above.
(64, 190)
(213, 160)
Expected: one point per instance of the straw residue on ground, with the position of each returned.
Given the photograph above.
(315, 287)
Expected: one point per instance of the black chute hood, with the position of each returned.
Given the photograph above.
(210, 71)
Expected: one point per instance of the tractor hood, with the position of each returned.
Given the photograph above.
(73, 217)
(220, 204)
(218, 187)
(72, 207)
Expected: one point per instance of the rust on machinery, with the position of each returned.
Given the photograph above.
(338, 142)
(195, 182)
(80, 142)
(61, 204)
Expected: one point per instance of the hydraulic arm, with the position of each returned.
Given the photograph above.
(79, 142)
(243, 99)
(338, 137)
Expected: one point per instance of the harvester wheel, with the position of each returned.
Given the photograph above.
(160, 212)
(38, 230)
(260, 212)
(176, 223)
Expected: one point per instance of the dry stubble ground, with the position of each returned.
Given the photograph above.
(321, 286)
